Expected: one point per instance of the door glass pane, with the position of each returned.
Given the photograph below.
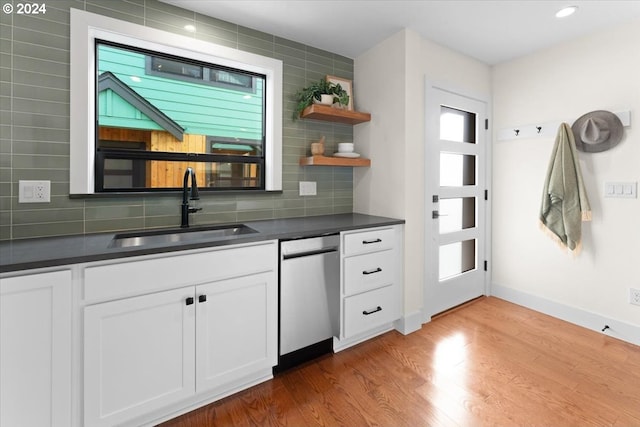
(457, 258)
(457, 125)
(457, 214)
(457, 169)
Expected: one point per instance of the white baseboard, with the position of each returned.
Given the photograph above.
(343, 344)
(405, 325)
(409, 323)
(617, 329)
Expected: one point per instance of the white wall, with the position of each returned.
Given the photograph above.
(601, 71)
(390, 84)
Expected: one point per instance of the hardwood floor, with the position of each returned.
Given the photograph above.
(488, 363)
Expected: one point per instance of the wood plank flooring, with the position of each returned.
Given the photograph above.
(489, 363)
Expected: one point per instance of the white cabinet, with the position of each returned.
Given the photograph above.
(149, 355)
(371, 282)
(235, 331)
(35, 350)
(138, 355)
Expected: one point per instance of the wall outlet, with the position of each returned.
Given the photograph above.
(634, 296)
(34, 191)
(308, 188)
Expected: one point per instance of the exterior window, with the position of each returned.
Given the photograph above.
(136, 129)
(159, 114)
(184, 70)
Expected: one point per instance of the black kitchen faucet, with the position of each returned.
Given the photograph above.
(186, 209)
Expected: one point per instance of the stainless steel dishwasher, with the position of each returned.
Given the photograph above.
(309, 298)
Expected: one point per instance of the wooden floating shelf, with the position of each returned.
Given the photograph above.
(330, 114)
(334, 161)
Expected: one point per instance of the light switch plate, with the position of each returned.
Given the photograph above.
(625, 190)
(308, 188)
(34, 191)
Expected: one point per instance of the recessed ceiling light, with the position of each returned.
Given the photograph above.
(190, 28)
(563, 13)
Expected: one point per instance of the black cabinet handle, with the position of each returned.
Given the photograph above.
(189, 301)
(377, 270)
(202, 298)
(377, 309)
(368, 242)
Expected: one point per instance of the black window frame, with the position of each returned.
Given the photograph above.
(102, 154)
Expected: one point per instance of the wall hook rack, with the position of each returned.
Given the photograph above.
(547, 129)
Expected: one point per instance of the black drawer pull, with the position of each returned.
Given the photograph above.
(189, 301)
(368, 242)
(377, 270)
(366, 313)
(202, 298)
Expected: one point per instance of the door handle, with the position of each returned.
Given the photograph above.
(377, 270)
(189, 301)
(436, 214)
(202, 298)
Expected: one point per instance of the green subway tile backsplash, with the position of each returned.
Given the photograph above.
(112, 10)
(34, 107)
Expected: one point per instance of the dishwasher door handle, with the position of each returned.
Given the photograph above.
(310, 253)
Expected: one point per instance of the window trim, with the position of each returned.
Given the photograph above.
(86, 27)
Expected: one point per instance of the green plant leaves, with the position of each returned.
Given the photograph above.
(306, 96)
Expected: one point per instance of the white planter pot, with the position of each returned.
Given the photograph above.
(324, 100)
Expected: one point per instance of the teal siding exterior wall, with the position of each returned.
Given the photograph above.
(199, 108)
(114, 111)
(34, 128)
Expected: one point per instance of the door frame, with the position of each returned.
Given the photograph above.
(431, 125)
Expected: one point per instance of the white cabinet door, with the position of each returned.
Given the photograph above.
(35, 350)
(139, 355)
(236, 329)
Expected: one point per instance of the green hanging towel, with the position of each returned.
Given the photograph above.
(564, 200)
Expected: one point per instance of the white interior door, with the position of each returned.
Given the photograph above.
(456, 206)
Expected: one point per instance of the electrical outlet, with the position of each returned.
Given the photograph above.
(308, 188)
(34, 191)
(634, 296)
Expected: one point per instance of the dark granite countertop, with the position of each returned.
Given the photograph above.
(28, 254)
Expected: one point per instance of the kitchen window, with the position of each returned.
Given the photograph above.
(167, 114)
(144, 108)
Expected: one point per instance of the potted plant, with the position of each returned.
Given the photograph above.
(334, 93)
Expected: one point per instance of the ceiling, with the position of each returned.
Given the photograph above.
(490, 31)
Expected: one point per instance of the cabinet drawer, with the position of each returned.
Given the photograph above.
(369, 271)
(145, 275)
(368, 241)
(371, 309)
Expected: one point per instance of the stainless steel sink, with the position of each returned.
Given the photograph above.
(182, 235)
